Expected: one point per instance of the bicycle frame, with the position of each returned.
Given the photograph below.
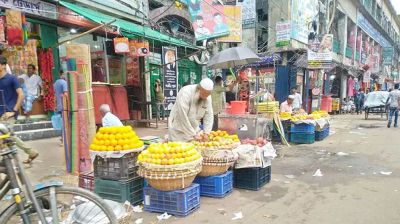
(11, 166)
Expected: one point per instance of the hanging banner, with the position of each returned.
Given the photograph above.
(319, 54)
(249, 13)
(387, 55)
(303, 12)
(139, 48)
(208, 19)
(170, 70)
(282, 34)
(132, 66)
(234, 14)
(121, 45)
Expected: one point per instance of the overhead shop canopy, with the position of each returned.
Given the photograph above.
(129, 29)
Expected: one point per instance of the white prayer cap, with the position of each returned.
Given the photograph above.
(291, 97)
(207, 84)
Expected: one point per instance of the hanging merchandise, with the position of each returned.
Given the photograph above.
(46, 67)
(19, 57)
(81, 116)
(121, 45)
(25, 32)
(14, 27)
(2, 31)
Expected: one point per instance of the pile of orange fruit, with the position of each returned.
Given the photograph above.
(216, 139)
(116, 139)
(170, 153)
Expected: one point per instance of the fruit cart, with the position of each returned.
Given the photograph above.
(246, 125)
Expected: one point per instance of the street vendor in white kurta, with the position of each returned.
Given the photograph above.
(193, 104)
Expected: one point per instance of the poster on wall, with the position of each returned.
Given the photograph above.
(303, 12)
(319, 53)
(282, 34)
(387, 55)
(208, 19)
(249, 13)
(170, 69)
(234, 14)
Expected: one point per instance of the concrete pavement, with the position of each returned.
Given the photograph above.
(355, 187)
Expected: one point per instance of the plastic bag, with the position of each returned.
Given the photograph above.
(56, 121)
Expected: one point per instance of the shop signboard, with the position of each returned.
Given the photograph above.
(234, 14)
(132, 66)
(367, 76)
(387, 55)
(170, 69)
(282, 34)
(33, 7)
(249, 13)
(319, 53)
(121, 45)
(208, 19)
(302, 13)
(154, 58)
(68, 16)
(371, 31)
(140, 48)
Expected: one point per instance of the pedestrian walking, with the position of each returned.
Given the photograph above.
(60, 90)
(359, 101)
(11, 97)
(394, 103)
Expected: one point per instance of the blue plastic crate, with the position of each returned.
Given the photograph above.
(302, 127)
(251, 178)
(302, 137)
(216, 186)
(179, 202)
(321, 135)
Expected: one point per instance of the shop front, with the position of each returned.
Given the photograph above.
(121, 60)
(28, 36)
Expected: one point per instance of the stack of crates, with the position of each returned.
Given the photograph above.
(302, 133)
(322, 134)
(251, 178)
(116, 179)
(86, 180)
(178, 202)
(335, 104)
(217, 186)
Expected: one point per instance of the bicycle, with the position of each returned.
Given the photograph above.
(49, 203)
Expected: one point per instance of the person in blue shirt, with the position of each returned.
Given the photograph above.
(11, 97)
(220, 26)
(60, 90)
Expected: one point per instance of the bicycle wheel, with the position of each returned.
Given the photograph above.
(72, 205)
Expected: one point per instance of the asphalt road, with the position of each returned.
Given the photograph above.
(360, 164)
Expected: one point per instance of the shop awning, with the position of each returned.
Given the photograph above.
(128, 28)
